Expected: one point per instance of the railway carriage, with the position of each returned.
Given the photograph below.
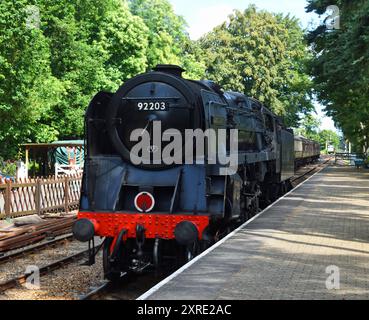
(306, 151)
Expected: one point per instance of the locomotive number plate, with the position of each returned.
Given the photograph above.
(152, 106)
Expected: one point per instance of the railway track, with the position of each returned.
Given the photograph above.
(301, 176)
(21, 279)
(35, 248)
(129, 288)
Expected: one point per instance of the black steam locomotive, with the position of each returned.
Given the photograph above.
(155, 213)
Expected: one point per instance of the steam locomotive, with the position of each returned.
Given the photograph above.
(156, 213)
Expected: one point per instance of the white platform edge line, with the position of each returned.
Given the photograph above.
(148, 293)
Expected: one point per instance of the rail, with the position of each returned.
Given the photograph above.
(302, 175)
(34, 248)
(9, 284)
(37, 196)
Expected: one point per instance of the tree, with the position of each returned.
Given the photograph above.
(168, 41)
(341, 67)
(192, 60)
(50, 71)
(329, 137)
(94, 46)
(308, 127)
(28, 90)
(165, 30)
(264, 56)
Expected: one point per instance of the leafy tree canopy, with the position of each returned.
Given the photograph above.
(308, 126)
(28, 89)
(94, 46)
(168, 40)
(329, 137)
(264, 56)
(341, 67)
(49, 73)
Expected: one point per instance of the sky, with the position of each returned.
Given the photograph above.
(203, 15)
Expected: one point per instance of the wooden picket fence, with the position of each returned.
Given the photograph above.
(37, 196)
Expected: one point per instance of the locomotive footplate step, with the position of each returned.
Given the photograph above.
(311, 244)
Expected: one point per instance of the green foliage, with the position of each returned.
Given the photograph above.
(308, 127)
(168, 41)
(329, 137)
(28, 90)
(341, 67)
(166, 30)
(49, 74)
(8, 167)
(192, 60)
(94, 46)
(264, 56)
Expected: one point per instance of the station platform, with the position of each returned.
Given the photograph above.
(312, 243)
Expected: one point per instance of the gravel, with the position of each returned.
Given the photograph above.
(67, 283)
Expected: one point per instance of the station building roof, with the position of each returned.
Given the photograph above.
(55, 144)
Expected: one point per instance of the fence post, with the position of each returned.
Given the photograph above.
(7, 197)
(66, 194)
(38, 196)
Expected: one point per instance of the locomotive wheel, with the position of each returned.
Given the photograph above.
(191, 252)
(289, 185)
(189, 255)
(205, 244)
(282, 189)
(185, 254)
(274, 190)
(111, 272)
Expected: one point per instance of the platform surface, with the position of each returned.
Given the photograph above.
(284, 253)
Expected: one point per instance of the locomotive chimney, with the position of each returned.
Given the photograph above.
(170, 68)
